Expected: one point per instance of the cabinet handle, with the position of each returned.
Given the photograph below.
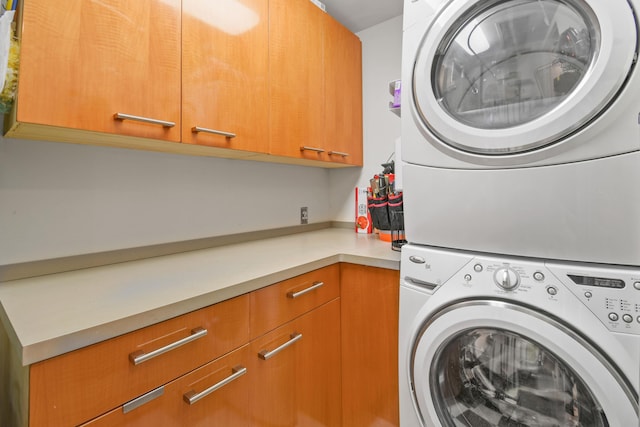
(315, 285)
(338, 153)
(265, 354)
(197, 129)
(139, 356)
(122, 116)
(317, 150)
(192, 397)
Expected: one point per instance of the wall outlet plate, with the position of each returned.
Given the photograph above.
(304, 215)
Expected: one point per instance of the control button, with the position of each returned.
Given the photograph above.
(613, 317)
(637, 285)
(467, 277)
(506, 278)
(638, 319)
(477, 268)
(552, 291)
(627, 318)
(417, 259)
(538, 276)
(588, 294)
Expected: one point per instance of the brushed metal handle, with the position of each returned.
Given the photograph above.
(192, 397)
(139, 356)
(122, 116)
(315, 285)
(265, 354)
(196, 129)
(338, 153)
(317, 150)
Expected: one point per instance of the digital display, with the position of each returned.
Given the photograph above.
(597, 281)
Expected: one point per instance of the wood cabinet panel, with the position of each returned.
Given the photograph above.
(276, 304)
(82, 63)
(342, 93)
(225, 73)
(74, 387)
(226, 406)
(296, 72)
(370, 301)
(299, 385)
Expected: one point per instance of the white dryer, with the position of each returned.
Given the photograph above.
(520, 127)
(504, 341)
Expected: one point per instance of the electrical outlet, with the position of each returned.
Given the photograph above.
(304, 215)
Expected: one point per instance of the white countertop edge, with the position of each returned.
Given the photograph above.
(29, 353)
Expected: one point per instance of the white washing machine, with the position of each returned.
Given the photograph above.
(497, 341)
(520, 127)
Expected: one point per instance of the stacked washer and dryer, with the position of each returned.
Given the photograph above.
(520, 285)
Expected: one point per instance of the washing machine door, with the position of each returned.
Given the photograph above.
(503, 77)
(494, 363)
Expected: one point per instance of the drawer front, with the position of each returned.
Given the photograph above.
(279, 303)
(77, 386)
(216, 394)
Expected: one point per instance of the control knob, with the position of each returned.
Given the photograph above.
(506, 278)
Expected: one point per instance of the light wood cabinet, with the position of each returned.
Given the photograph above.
(370, 301)
(296, 368)
(175, 404)
(319, 349)
(83, 63)
(77, 386)
(316, 85)
(342, 93)
(296, 71)
(225, 74)
(297, 376)
(252, 79)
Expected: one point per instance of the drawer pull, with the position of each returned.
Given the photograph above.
(315, 285)
(265, 355)
(139, 356)
(197, 129)
(192, 397)
(122, 116)
(338, 153)
(145, 398)
(317, 150)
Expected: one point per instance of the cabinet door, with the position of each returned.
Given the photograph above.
(342, 93)
(215, 395)
(82, 62)
(296, 75)
(225, 74)
(370, 300)
(297, 372)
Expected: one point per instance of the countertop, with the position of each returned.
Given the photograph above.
(49, 315)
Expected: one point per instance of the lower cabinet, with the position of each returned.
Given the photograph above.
(319, 349)
(215, 394)
(369, 298)
(297, 372)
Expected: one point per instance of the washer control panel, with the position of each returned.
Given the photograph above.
(611, 293)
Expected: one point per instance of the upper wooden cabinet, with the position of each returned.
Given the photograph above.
(225, 74)
(342, 93)
(86, 61)
(316, 85)
(254, 79)
(296, 70)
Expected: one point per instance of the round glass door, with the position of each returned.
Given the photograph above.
(494, 363)
(502, 77)
(496, 377)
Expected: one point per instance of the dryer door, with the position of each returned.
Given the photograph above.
(490, 363)
(503, 77)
